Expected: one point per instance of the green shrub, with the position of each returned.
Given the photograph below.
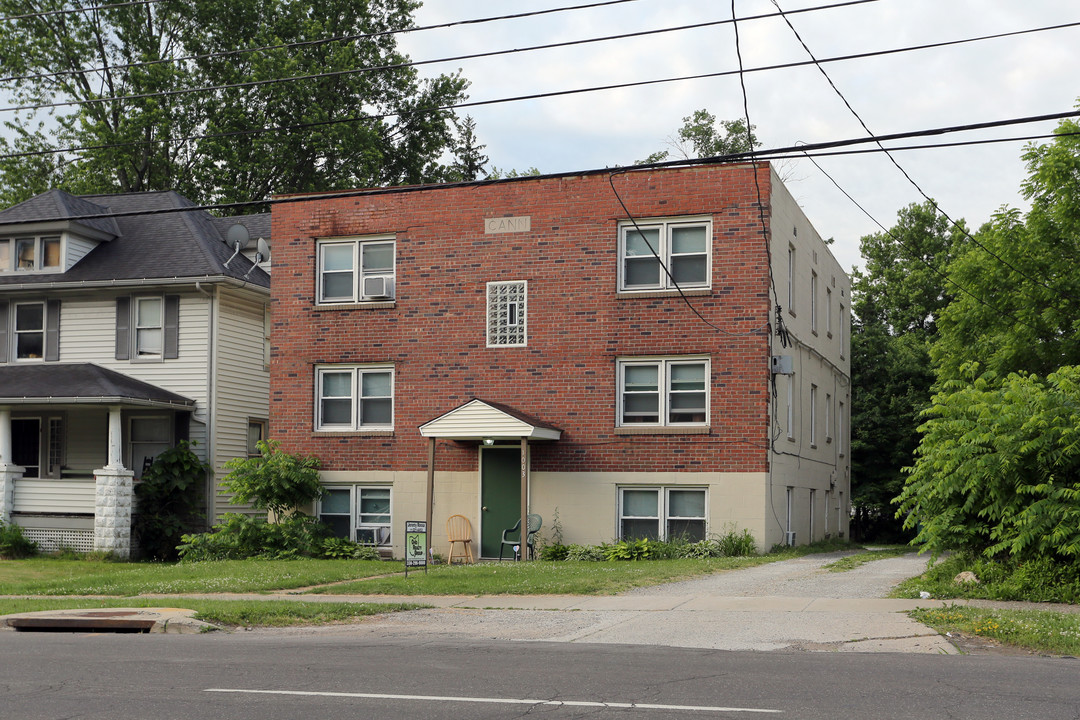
(14, 544)
(592, 553)
(277, 481)
(627, 550)
(554, 552)
(238, 536)
(343, 549)
(169, 498)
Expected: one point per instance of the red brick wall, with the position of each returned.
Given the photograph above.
(577, 326)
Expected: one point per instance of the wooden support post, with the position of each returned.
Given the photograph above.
(524, 498)
(430, 494)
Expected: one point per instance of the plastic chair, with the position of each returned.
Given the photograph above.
(459, 530)
(535, 521)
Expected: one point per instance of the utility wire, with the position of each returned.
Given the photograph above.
(338, 73)
(366, 36)
(905, 173)
(943, 275)
(72, 11)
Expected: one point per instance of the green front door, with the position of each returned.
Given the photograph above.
(500, 497)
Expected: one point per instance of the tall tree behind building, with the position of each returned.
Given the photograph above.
(166, 96)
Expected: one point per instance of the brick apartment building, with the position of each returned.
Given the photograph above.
(436, 334)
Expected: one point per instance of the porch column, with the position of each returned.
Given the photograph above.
(524, 498)
(430, 494)
(113, 496)
(9, 472)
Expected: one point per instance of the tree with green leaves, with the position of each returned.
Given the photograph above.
(702, 136)
(177, 95)
(274, 480)
(997, 469)
(897, 297)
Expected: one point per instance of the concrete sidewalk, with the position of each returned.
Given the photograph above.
(703, 621)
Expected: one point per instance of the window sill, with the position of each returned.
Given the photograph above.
(689, 292)
(352, 433)
(663, 430)
(373, 305)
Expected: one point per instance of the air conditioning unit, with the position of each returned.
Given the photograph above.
(789, 538)
(782, 365)
(378, 286)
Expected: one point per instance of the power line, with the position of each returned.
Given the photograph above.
(904, 172)
(49, 13)
(366, 36)
(642, 83)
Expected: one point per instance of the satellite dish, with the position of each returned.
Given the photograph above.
(262, 254)
(238, 235)
(237, 238)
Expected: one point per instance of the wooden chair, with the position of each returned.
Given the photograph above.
(459, 530)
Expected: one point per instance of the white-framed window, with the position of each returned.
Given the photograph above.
(30, 254)
(840, 430)
(681, 245)
(256, 433)
(267, 324)
(828, 417)
(813, 416)
(662, 513)
(813, 497)
(813, 302)
(355, 270)
(663, 392)
(351, 397)
(149, 327)
(790, 407)
(507, 312)
(29, 329)
(791, 278)
(840, 329)
(828, 311)
(361, 513)
(148, 437)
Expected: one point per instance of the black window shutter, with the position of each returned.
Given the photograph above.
(171, 348)
(3, 331)
(123, 328)
(52, 330)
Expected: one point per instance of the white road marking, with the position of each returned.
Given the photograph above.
(504, 701)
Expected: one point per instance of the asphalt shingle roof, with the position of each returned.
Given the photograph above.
(160, 241)
(86, 381)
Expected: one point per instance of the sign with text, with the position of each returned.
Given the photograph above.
(415, 544)
(497, 226)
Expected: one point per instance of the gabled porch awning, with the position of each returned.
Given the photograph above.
(81, 383)
(480, 419)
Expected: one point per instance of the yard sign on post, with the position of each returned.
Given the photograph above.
(415, 545)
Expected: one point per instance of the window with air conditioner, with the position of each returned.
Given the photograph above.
(360, 513)
(355, 270)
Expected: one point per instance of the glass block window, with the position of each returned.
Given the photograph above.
(506, 314)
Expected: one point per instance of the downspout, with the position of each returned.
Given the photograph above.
(211, 394)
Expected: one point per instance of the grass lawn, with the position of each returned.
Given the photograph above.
(1038, 630)
(53, 576)
(564, 577)
(853, 561)
(237, 613)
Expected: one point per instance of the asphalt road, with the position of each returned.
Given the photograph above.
(265, 676)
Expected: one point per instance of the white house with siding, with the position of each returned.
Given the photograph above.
(127, 323)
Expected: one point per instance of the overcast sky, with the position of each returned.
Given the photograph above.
(990, 80)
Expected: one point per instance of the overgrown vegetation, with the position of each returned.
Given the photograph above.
(731, 543)
(1035, 580)
(169, 497)
(1035, 630)
(14, 544)
(281, 483)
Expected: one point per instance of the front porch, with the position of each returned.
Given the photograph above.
(73, 439)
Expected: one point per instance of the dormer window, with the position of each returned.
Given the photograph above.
(30, 254)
